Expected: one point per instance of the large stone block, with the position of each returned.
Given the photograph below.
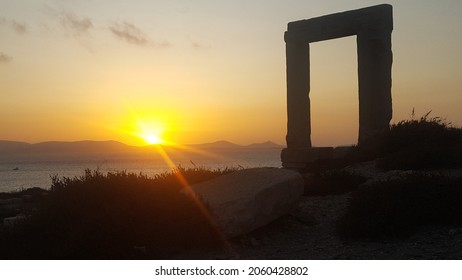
(243, 201)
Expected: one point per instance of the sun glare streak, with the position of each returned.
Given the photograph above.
(187, 187)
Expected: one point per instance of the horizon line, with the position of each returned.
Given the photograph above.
(145, 145)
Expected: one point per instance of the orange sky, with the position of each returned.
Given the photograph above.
(201, 71)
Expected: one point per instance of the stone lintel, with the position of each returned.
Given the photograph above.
(372, 19)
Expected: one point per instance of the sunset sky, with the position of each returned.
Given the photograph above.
(194, 71)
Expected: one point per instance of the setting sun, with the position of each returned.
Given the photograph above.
(150, 132)
(147, 126)
(152, 139)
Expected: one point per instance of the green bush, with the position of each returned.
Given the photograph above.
(398, 207)
(114, 216)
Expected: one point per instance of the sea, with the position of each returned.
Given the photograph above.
(22, 173)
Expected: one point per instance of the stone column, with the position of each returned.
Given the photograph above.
(374, 74)
(298, 100)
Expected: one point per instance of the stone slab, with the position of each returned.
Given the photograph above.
(245, 200)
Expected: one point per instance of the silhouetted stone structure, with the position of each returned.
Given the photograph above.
(373, 27)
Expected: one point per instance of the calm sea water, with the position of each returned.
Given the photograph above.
(22, 173)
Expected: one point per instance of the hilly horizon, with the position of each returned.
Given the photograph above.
(12, 149)
(214, 144)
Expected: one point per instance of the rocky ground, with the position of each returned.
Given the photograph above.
(309, 233)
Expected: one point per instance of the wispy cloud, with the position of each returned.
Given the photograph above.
(132, 34)
(164, 44)
(199, 46)
(75, 24)
(19, 27)
(5, 58)
(196, 45)
(129, 33)
(70, 25)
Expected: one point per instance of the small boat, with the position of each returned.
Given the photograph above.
(16, 168)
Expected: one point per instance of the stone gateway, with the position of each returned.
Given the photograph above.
(372, 27)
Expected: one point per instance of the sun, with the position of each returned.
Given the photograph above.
(151, 134)
(152, 138)
(145, 127)
(147, 132)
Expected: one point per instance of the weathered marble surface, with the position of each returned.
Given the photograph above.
(245, 200)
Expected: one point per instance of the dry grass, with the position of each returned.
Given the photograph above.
(113, 216)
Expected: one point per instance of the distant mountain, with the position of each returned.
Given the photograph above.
(265, 145)
(81, 147)
(9, 146)
(12, 149)
(228, 145)
(217, 145)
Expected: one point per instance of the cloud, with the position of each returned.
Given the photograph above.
(76, 25)
(129, 33)
(164, 44)
(199, 46)
(196, 45)
(19, 27)
(5, 58)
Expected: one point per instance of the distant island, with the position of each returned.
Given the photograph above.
(13, 149)
(229, 145)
